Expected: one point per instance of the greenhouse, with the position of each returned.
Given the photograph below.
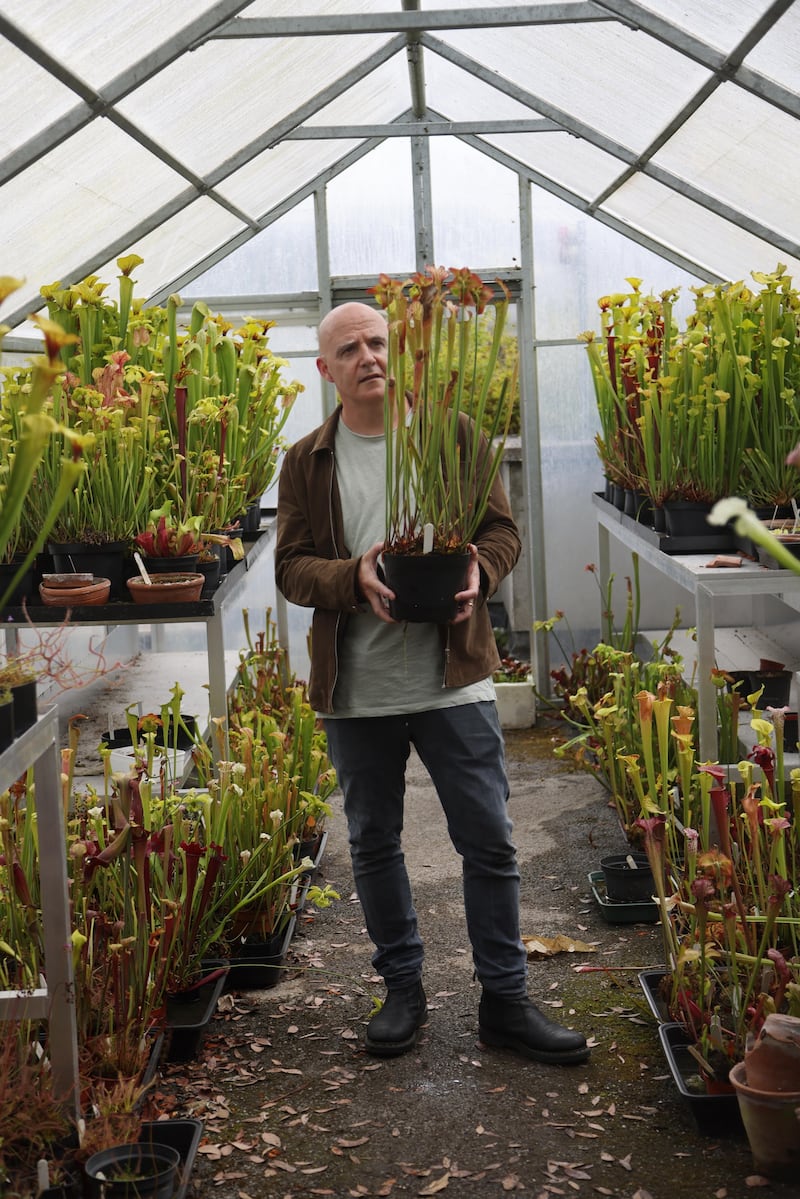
(239, 241)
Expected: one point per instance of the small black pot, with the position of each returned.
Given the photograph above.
(425, 585)
(155, 1167)
(7, 731)
(180, 564)
(624, 882)
(26, 711)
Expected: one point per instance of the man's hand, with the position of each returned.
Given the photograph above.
(376, 593)
(467, 599)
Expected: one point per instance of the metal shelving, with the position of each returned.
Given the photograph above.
(54, 1000)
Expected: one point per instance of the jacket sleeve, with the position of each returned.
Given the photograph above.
(497, 539)
(308, 570)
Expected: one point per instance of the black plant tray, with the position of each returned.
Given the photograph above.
(121, 738)
(615, 911)
(188, 1019)
(183, 1135)
(305, 880)
(257, 966)
(650, 981)
(714, 1114)
(717, 540)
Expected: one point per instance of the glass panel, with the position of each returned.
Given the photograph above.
(281, 259)
(578, 259)
(720, 246)
(570, 473)
(630, 85)
(371, 213)
(731, 148)
(475, 207)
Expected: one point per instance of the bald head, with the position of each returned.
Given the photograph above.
(344, 318)
(353, 342)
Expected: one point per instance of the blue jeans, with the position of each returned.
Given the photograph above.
(462, 750)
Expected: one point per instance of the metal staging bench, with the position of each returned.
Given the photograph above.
(54, 1001)
(206, 611)
(705, 586)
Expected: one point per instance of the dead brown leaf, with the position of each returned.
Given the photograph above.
(438, 1184)
(756, 1180)
(546, 947)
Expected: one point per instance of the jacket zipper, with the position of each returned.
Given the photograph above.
(338, 556)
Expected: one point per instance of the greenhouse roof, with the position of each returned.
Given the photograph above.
(184, 129)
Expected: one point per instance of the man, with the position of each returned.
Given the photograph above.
(382, 686)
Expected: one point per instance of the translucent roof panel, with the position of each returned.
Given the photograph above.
(66, 207)
(46, 99)
(80, 34)
(777, 55)
(617, 80)
(568, 161)
(718, 245)
(721, 23)
(256, 84)
(280, 172)
(731, 138)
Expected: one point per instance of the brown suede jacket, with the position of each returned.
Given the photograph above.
(314, 568)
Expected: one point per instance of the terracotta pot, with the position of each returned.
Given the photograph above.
(772, 1123)
(773, 1060)
(76, 596)
(167, 589)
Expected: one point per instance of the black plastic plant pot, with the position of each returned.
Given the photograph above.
(190, 1013)
(425, 585)
(716, 1112)
(184, 1135)
(628, 877)
(259, 965)
(26, 711)
(140, 1171)
(7, 729)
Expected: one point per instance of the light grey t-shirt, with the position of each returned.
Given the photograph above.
(384, 669)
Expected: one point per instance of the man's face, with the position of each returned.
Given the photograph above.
(353, 352)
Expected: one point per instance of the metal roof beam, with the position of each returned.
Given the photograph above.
(617, 150)
(410, 21)
(426, 128)
(416, 66)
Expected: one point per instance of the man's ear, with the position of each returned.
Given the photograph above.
(322, 367)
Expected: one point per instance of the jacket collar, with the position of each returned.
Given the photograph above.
(326, 433)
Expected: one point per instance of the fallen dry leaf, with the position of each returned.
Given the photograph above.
(756, 1180)
(438, 1184)
(546, 947)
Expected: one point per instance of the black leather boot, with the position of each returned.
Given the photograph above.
(516, 1023)
(395, 1028)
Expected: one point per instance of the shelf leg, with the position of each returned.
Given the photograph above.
(63, 1039)
(707, 707)
(217, 683)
